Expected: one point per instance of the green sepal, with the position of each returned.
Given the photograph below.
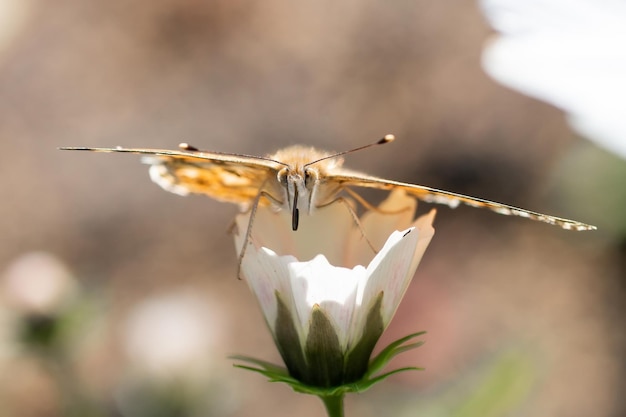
(323, 354)
(288, 341)
(358, 358)
(265, 365)
(391, 351)
(54, 333)
(276, 373)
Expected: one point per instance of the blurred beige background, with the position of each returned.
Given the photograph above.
(251, 77)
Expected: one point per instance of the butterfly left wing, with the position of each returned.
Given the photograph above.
(432, 195)
(225, 177)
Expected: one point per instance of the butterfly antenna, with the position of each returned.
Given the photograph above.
(184, 146)
(187, 147)
(385, 139)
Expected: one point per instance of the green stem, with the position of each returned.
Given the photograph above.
(75, 401)
(334, 405)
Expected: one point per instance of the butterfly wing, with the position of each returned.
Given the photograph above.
(433, 195)
(225, 177)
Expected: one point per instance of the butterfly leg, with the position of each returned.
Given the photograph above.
(355, 218)
(253, 208)
(368, 206)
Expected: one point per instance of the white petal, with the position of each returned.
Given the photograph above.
(424, 224)
(570, 53)
(398, 211)
(266, 274)
(393, 268)
(334, 289)
(390, 272)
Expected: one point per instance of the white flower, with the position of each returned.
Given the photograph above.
(570, 53)
(38, 283)
(327, 312)
(14, 18)
(172, 342)
(172, 336)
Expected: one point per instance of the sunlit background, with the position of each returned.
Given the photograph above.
(119, 299)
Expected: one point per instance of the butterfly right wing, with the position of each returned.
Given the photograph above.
(225, 177)
(348, 178)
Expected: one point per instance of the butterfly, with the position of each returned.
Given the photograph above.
(296, 178)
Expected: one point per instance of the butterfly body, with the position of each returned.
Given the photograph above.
(297, 178)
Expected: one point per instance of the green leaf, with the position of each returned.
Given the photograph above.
(499, 386)
(501, 390)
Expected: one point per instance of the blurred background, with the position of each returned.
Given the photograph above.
(119, 299)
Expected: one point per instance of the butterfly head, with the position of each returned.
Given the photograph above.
(304, 169)
(300, 185)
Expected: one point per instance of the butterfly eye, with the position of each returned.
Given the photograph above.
(310, 177)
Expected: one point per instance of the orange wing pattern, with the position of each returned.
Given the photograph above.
(224, 177)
